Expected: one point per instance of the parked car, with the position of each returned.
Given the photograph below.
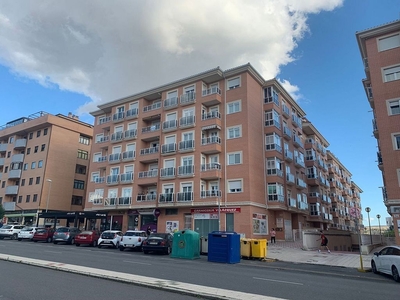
(10, 231)
(158, 242)
(66, 235)
(133, 239)
(88, 237)
(43, 234)
(110, 238)
(27, 233)
(387, 261)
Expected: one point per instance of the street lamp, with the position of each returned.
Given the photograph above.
(367, 209)
(48, 194)
(379, 222)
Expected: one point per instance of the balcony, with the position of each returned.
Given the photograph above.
(117, 137)
(149, 154)
(314, 195)
(2, 161)
(101, 159)
(211, 145)
(146, 197)
(14, 174)
(128, 155)
(297, 142)
(184, 196)
(104, 120)
(211, 115)
(289, 179)
(114, 158)
(110, 201)
(273, 147)
(188, 121)
(126, 178)
(299, 162)
(130, 134)
(186, 171)
(103, 139)
(166, 198)
(97, 201)
(152, 107)
(274, 172)
(285, 111)
(112, 179)
(152, 128)
(211, 97)
(167, 149)
(287, 133)
(169, 125)
(292, 202)
(3, 148)
(302, 205)
(380, 161)
(167, 173)
(312, 179)
(148, 174)
(11, 190)
(132, 113)
(296, 121)
(300, 183)
(186, 146)
(188, 98)
(17, 158)
(375, 129)
(276, 202)
(288, 155)
(171, 103)
(122, 201)
(210, 194)
(210, 171)
(20, 144)
(99, 179)
(118, 117)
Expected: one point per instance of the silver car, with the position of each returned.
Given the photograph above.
(66, 235)
(10, 231)
(27, 233)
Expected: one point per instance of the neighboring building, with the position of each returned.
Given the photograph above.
(380, 51)
(217, 150)
(43, 165)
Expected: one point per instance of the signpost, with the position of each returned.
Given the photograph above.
(355, 213)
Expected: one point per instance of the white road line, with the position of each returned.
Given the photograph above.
(295, 283)
(136, 262)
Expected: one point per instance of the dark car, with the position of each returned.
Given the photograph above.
(158, 242)
(66, 235)
(43, 234)
(88, 237)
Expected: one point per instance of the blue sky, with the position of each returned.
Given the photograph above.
(53, 59)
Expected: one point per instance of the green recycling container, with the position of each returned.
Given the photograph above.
(186, 244)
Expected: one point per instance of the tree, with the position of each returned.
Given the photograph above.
(2, 212)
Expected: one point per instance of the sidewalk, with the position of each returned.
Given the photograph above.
(292, 252)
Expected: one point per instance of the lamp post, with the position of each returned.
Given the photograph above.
(379, 222)
(48, 194)
(367, 209)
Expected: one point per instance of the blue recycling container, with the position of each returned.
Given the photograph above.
(224, 247)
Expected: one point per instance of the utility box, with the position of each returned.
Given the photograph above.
(224, 247)
(186, 244)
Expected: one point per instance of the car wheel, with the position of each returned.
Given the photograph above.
(77, 245)
(2, 238)
(373, 267)
(145, 252)
(35, 241)
(55, 243)
(48, 240)
(395, 274)
(168, 251)
(19, 239)
(14, 236)
(117, 245)
(121, 248)
(72, 241)
(94, 244)
(99, 246)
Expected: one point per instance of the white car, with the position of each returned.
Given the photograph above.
(10, 231)
(387, 261)
(133, 239)
(110, 238)
(27, 233)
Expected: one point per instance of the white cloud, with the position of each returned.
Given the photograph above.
(107, 50)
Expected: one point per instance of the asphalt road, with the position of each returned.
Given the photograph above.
(277, 279)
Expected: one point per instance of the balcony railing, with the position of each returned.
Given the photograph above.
(146, 197)
(213, 90)
(170, 125)
(150, 173)
(168, 197)
(99, 179)
(186, 170)
(167, 172)
(126, 177)
(130, 134)
(276, 198)
(150, 150)
(188, 98)
(210, 166)
(210, 194)
(151, 128)
(184, 196)
(112, 179)
(187, 121)
(124, 200)
(211, 140)
(114, 157)
(151, 107)
(171, 102)
(110, 201)
(186, 145)
(104, 120)
(128, 155)
(101, 158)
(297, 141)
(211, 115)
(300, 182)
(288, 154)
(296, 121)
(119, 116)
(302, 205)
(285, 110)
(290, 177)
(117, 136)
(103, 139)
(132, 113)
(168, 148)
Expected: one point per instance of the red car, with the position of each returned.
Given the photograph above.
(43, 234)
(88, 237)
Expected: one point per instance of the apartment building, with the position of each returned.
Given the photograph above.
(43, 165)
(380, 51)
(217, 150)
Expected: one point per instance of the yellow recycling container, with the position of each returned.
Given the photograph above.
(259, 248)
(245, 248)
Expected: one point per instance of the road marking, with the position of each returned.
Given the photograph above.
(136, 262)
(295, 283)
(58, 252)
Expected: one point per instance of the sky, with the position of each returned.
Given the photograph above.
(63, 56)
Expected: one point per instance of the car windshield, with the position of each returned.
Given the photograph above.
(64, 229)
(41, 230)
(7, 227)
(27, 229)
(87, 232)
(108, 235)
(132, 233)
(159, 235)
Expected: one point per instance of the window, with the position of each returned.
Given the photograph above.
(37, 180)
(83, 154)
(95, 177)
(28, 151)
(11, 140)
(260, 224)
(84, 140)
(33, 165)
(396, 141)
(28, 198)
(233, 83)
(79, 184)
(394, 107)
(8, 154)
(31, 135)
(389, 42)
(5, 169)
(38, 133)
(79, 169)
(40, 163)
(272, 118)
(235, 186)
(22, 182)
(30, 181)
(234, 132)
(44, 133)
(36, 149)
(34, 198)
(43, 147)
(19, 199)
(76, 200)
(25, 167)
(273, 142)
(234, 158)
(3, 184)
(391, 74)
(275, 192)
(233, 107)
(274, 166)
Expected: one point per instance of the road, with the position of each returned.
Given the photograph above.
(22, 282)
(277, 279)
